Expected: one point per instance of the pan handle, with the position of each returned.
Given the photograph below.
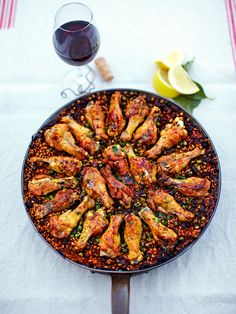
(120, 294)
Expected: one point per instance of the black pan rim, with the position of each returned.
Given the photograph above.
(124, 272)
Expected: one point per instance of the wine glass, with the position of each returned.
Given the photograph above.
(76, 41)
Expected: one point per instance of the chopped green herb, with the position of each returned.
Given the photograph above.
(115, 149)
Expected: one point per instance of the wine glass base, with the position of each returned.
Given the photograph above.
(78, 81)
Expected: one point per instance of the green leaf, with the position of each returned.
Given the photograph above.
(187, 103)
(187, 66)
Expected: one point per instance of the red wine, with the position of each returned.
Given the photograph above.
(76, 42)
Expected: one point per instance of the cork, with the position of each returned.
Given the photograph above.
(104, 69)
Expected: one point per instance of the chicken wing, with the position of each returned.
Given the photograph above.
(62, 200)
(43, 184)
(117, 189)
(94, 185)
(136, 111)
(132, 234)
(160, 200)
(161, 233)
(174, 163)
(61, 164)
(141, 168)
(110, 241)
(147, 132)
(59, 137)
(115, 157)
(95, 116)
(170, 136)
(94, 224)
(115, 121)
(62, 225)
(193, 186)
(82, 134)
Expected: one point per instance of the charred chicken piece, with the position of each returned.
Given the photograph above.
(141, 168)
(193, 186)
(94, 224)
(59, 137)
(62, 225)
(160, 200)
(132, 234)
(94, 185)
(62, 200)
(61, 164)
(147, 132)
(174, 163)
(82, 134)
(95, 116)
(110, 241)
(115, 121)
(170, 136)
(117, 189)
(43, 184)
(161, 233)
(136, 111)
(116, 159)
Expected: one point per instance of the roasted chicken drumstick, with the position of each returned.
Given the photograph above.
(82, 134)
(94, 224)
(147, 132)
(136, 111)
(43, 184)
(94, 184)
(95, 117)
(141, 168)
(174, 163)
(117, 189)
(110, 241)
(115, 121)
(132, 234)
(62, 200)
(193, 186)
(62, 225)
(170, 136)
(160, 200)
(161, 233)
(61, 164)
(59, 137)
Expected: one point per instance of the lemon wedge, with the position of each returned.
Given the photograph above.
(162, 85)
(174, 58)
(181, 81)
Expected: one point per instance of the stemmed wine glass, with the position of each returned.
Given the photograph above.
(76, 41)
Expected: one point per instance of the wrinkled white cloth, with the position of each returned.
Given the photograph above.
(33, 279)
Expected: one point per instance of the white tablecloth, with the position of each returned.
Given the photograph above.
(33, 279)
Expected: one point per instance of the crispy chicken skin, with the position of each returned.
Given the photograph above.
(94, 224)
(147, 132)
(62, 225)
(61, 164)
(132, 234)
(117, 189)
(62, 200)
(94, 185)
(193, 186)
(174, 163)
(115, 120)
(82, 134)
(115, 157)
(141, 168)
(95, 116)
(170, 136)
(59, 137)
(110, 241)
(161, 233)
(136, 111)
(159, 200)
(44, 184)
